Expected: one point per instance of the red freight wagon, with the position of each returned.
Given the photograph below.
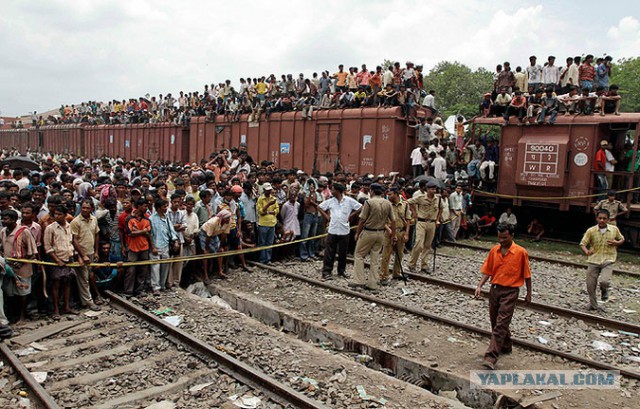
(540, 162)
(367, 140)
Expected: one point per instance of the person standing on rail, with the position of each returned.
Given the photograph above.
(401, 233)
(268, 210)
(337, 210)
(613, 206)
(507, 264)
(84, 228)
(600, 244)
(376, 213)
(426, 208)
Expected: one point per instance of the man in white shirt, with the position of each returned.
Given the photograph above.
(550, 74)
(508, 218)
(337, 211)
(429, 102)
(416, 161)
(440, 166)
(534, 73)
(455, 205)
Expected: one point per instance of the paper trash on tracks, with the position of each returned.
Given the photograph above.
(40, 377)
(174, 320)
(365, 397)
(609, 334)
(601, 346)
(245, 402)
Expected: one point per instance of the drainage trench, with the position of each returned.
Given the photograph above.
(437, 381)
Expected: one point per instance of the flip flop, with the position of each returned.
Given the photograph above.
(71, 312)
(56, 317)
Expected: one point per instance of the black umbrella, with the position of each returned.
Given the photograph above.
(428, 178)
(23, 162)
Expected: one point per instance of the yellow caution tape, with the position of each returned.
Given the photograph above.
(173, 259)
(502, 196)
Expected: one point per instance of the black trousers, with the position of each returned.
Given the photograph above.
(335, 243)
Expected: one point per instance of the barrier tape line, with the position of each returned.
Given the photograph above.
(173, 259)
(503, 196)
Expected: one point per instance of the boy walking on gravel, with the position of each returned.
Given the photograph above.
(600, 244)
(508, 266)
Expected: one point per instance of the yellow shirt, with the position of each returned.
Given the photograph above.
(261, 87)
(267, 220)
(596, 241)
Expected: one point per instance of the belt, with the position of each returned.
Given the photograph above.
(368, 229)
(420, 219)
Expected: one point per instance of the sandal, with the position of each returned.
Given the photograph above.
(56, 317)
(70, 312)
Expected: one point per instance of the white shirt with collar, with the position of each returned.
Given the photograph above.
(340, 212)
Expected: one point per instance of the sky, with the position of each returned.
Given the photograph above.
(68, 51)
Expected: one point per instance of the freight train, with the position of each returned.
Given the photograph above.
(545, 171)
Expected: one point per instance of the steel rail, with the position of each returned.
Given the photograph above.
(545, 259)
(42, 396)
(242, 372)
(427, 315)
(533, 305)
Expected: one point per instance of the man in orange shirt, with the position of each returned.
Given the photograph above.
(508, 266)
(341, 79)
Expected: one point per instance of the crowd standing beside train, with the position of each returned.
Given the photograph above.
(77, 211)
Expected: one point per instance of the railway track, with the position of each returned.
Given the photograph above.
(545, 259)
(535, 306)
(451, 322)
(129, 357)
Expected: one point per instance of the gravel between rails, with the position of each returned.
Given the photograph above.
(456, 350)
(139, 342)
(290, 360)
(552, 283)
(569, 335)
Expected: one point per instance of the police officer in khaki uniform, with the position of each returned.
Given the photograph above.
(426, 208)
(376, 213)
(613, 206)
(403, 216)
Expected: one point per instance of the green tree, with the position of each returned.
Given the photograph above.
(625, 74)
(458, 88)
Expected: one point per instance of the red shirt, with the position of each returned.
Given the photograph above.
(601, 160)
(138, 243)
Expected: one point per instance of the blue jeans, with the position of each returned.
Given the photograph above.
(309, 229)
(552, 115)
(266, 236)
(473, 168)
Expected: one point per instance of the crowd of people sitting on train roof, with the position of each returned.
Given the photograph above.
(351, 87)
(540, 93)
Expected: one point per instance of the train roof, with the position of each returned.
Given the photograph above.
(631, 117)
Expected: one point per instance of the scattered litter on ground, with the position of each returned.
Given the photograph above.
(174, 320)
(601, 346)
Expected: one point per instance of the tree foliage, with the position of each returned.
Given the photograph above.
(626, 74)
(458, 88)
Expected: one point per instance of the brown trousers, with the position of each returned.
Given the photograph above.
(388, 249)
(502, 302)
(595, 271)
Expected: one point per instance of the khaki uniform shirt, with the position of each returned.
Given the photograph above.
(85, 230)
(613, 208)
(376, 212)
(426, 209)
(402, 214)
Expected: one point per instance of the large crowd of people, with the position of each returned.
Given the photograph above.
(538, 94)
(109, 210)
(351, 87)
